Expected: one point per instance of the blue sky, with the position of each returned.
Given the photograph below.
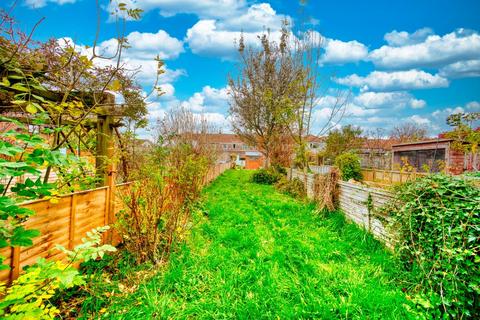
(402, 60)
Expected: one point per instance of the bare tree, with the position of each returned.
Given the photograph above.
(275, 93)
(262, 96)
(408, 132)
(377, 145)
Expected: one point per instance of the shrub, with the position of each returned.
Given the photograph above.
(29, 296)
(437, 220)
(294, 187)
(157, 205)
(266, 176)
(349, 165)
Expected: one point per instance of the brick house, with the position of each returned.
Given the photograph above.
(230, 146)
(437, 154)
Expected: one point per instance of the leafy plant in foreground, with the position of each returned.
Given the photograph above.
(29, 295)
(437, 220)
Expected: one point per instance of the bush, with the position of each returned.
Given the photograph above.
(349, 165)
(266, 176)
(158, 204)
(29, 296)
(294, 188)
(437, 220)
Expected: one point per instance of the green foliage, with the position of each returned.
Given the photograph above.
(254, 253)
(23, 153)
(466, 138)
(90, 248)
(346, 139)
(349, 166)
(29, 296)
(158, 204)
(266, 176)
(437, 221)
(294, 187)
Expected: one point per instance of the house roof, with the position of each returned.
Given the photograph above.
(428, 141)
(222, 138)
(312, 138)
(384, 144)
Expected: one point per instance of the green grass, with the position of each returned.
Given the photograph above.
(259, 254)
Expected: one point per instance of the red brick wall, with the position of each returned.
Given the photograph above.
(456, 163)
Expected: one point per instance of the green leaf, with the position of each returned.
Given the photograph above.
(22, 237)
(31, 108)
(19, 87)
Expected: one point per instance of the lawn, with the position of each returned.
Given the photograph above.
(257, 254)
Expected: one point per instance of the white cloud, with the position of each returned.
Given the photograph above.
(403, 38)
(473, 106)
(256, 18)
(202, 8)
(139, 57)
(419, 120)
(205, 38)
(43, 3)
(339, 52)
(144, 45)
(461, 69)
(393, 81)
(394, 100)
(208, 100)
(435, 51)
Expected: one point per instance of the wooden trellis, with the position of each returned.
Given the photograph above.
(103, 123)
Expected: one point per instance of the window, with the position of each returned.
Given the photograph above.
(431, 158)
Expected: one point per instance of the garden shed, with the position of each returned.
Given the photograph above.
(436, 154)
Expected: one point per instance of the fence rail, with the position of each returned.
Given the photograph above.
(321, 169)
(66, 223)
(353, 201)
(390, 176)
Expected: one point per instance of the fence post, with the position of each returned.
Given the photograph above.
(73, 212)
(111, 191)
(15, 264)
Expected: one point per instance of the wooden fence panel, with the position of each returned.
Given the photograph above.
(353, 201)
(67, 222)
(389, 176)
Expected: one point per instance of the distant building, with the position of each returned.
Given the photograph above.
(435, 154)
(315, 144)
(376, 153)
(231, 147)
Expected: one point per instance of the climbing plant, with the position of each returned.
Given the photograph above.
(437, 221)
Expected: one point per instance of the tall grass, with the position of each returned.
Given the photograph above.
(257, 254)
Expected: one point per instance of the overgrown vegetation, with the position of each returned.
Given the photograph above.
(255, 253)
(436, 220)
(343, 140)
(167, 184)
(268, 176)
(294, 187)
(29, 296)
(349, 166)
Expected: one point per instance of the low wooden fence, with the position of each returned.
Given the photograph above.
(321, 169)
(66, 223)
(390, 176)
(217, 170)
(359, 203)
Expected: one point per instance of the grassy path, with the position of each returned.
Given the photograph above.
(261, 255)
